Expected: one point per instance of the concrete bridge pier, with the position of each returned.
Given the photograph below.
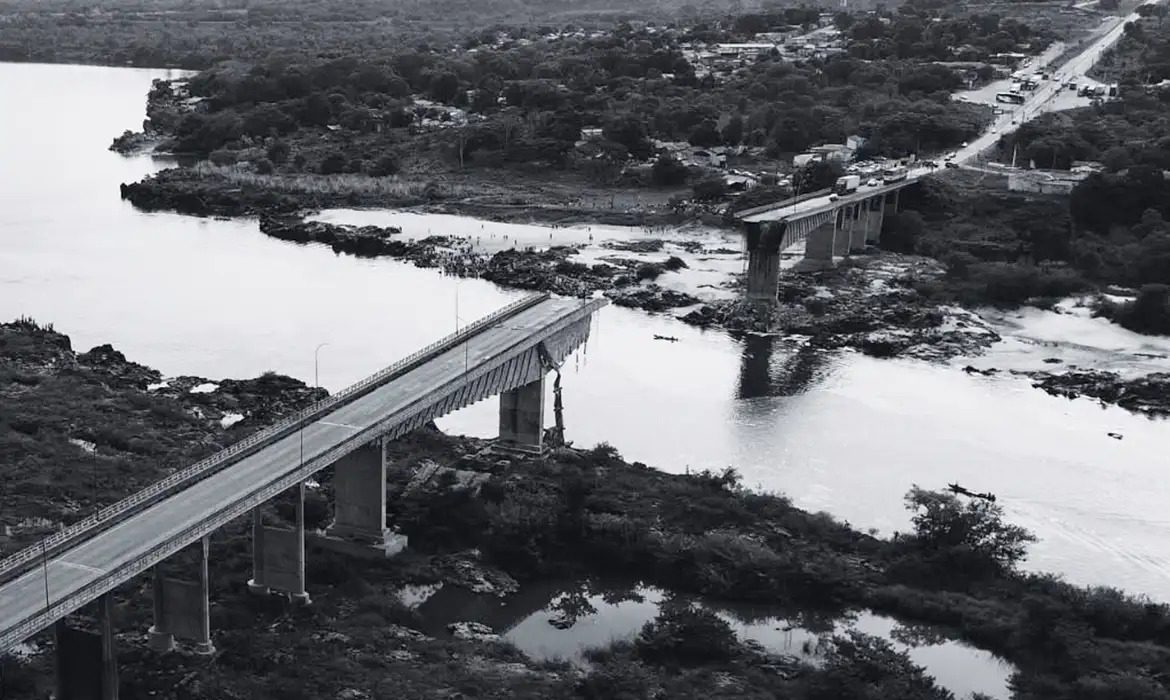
(818, 247)
(844, 221)
(763, 247)
(87, 665)
(877, 215)
(278, 555)
(182, 608)
(860, 230)
(522, 417)
(359, 495)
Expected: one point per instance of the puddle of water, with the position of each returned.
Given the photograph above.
(554, 621)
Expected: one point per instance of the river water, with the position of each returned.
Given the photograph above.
(837, 432)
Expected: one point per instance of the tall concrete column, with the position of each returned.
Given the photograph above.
(359, 493)
(763, 247)
(182, 608)
(87, 664)
(522, 417)
(818, 247)
(844, 220)
(860, 230)
(278, 555)
(109, 655)
(878, 217)
(254, 583)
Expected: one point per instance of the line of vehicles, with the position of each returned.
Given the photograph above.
(848, 184)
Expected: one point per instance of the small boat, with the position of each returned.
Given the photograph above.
(955, 488)
(668, 338)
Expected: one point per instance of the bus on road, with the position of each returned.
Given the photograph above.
(1014, 98)
(893, 174)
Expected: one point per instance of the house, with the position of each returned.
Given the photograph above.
(591, 133)
(1044, 181)
(802, 159)
(855, 142)
(833, 151)
(744, 50)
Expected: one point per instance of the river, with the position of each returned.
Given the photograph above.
(837, 432)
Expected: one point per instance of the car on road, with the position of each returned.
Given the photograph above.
(872, 182)
(952, 164)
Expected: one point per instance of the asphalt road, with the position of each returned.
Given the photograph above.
(125, 542)
(1048, 96)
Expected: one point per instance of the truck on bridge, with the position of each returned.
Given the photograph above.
(847, 184)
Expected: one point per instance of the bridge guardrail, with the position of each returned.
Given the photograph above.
(111, 578)
(752, 211)
(254, 441)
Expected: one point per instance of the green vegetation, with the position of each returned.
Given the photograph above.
(577, 514)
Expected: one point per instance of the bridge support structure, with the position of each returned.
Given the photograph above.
(182, 608)
(278, 554)
(843, 231)
(522, 417)
(820, 247)
(87, 664)
(359, 495)
(763, 248)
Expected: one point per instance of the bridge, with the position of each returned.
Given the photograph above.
(507, 353)
(829, 226)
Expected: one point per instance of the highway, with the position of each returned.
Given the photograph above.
(85, 562)
(1041, 99)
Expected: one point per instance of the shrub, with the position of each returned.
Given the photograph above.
(668, 172)
(222, 157)
(964, 539)
(263, 166)
(674, 263)
(386, 165)
(333, 164)
(649, 271)
(688, 636)
(710, 189)
(1149, 313)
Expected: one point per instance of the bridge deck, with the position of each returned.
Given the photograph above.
(792, 211)
(73, 569)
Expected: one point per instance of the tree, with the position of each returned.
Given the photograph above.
(278, 151)
(444, 86)
(965, 538)
(629, 131)
(385, 165)
(817, 175)
(710, 189)
(333, 164)
(668, 171)
(901, 230)
(705, 134)
(733, 132)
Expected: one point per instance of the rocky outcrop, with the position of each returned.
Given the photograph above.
(1149, 394)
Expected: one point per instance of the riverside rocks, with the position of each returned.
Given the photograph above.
(869, 304)
(1149, 394)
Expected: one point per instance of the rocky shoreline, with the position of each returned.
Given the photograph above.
(1149, 394)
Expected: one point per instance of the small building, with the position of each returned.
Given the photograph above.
(1044, 181)
(591, 133)
(745, 50)
(802, 159)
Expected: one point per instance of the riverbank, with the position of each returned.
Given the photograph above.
(485, 521)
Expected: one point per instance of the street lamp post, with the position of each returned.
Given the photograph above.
(316, 366)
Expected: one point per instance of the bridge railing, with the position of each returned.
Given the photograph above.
(763, 208)
(414, 414)
(261, 438)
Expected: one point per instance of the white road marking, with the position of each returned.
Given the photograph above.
(83, 567)
(338, 425)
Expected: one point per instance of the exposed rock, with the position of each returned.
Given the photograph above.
(114, 364)
(651, 298)
(1149, 394)
(474, 576)
(473, 631)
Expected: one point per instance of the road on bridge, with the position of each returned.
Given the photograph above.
(71, 570)
(1037, 103)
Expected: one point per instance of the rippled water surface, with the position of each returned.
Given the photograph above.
(839, 432)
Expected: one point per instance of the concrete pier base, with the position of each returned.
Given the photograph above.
(818, 248)
(522, 418)
(359, 492)
(87, 665)
(860, 231)
(182, 609)
(278, 556)
(763, 249)
(877, 217)
(841, 236)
